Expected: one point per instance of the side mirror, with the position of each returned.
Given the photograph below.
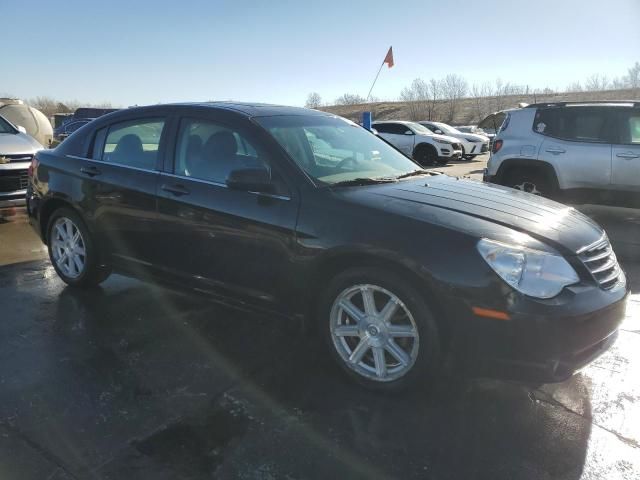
(439, 132)
(21, 129)
(408, 132)
(251, 180)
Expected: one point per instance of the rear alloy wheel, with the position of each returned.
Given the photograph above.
(380, 331)
(530, 181)
(68, 248)
(72, 251)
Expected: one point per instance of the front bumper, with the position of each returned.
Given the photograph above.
(540, 347)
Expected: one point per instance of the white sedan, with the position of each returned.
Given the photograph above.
(472, 143)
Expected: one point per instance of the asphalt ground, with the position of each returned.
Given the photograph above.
(135, 381)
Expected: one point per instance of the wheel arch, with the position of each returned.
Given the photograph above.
(423, 145)
(508, 165)
(337, 263)
(47, 210)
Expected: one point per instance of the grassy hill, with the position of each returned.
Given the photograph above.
(471, 110)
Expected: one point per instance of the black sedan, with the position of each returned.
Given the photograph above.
(301, 212)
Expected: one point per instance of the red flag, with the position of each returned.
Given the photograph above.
(389, 58)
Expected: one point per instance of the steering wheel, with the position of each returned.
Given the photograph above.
(346, 161)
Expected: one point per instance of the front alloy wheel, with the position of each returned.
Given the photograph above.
(374, 333)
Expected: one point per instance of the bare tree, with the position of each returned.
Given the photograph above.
(314, 100)
(480, 95)
(574, 87)
(455, 88)
(633, 76)
(596, 82)
(350, 99)
(417, 98)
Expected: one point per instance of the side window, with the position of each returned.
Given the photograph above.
(433, 128)
(578, 124)
(631, 128)
(134, 143)
(210, 151)
(98, 143)
(382, 127)
(397, 128)
(589, 125)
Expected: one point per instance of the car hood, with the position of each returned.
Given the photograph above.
(475, 136)
(436, 198)
(13, 143)
(445, 138)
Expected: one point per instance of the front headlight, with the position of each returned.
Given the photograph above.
(532, 272)
(442, 141)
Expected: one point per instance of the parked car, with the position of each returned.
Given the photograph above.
(583, 151)
(472, 144)
(67, 128)
(16, 152)
(308, 214)
(418, 142)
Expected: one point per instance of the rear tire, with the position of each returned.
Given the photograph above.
(530, 180)
(72, 251)
(380, 331)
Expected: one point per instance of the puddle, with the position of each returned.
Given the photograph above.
(195, 448)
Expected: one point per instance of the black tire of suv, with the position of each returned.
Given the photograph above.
(425, 155)
(94, 271)
(530, 180)
(427, 367)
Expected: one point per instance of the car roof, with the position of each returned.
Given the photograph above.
(247, 108)
(404, 122)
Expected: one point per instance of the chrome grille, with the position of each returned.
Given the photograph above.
(602, 263)
(14, 158)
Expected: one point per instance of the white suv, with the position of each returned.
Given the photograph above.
(418, 142)
(581, 151)
(472, 144)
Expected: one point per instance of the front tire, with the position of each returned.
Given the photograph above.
(379, 330)
(425, 155)
(73, 252)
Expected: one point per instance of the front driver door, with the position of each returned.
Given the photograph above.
(238, 242)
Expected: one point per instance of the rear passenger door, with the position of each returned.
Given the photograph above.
(578, 143)
(120, 187)
(626, 151)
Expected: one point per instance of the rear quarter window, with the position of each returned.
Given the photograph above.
(577, 124)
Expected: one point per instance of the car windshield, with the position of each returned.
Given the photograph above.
(5, 127)
(333, 150)
(421, 129)
(447, 128)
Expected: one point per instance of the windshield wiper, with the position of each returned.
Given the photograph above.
(414, 173)
(364, 181)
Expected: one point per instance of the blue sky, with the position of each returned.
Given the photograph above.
(140, 52)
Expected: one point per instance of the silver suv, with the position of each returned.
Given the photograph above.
(581, 151)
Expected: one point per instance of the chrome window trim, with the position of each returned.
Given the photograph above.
(223, 185)
(182, 177)
(102, 162)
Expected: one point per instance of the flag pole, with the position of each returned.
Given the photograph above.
(375, 79)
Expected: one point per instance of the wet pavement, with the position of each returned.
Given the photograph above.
(136, 381)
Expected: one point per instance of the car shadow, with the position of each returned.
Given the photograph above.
(144, 345)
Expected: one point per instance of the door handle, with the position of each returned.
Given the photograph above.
(90, 171)
(556, 151)
(628, 155)
(177, 190)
